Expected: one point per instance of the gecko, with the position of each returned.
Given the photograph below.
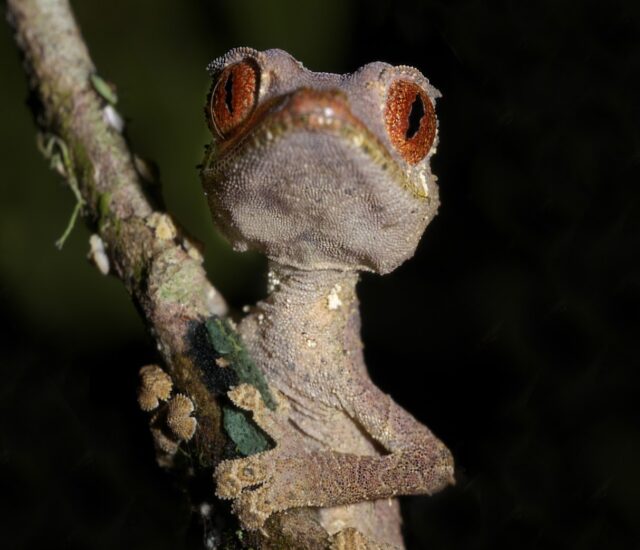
(328, 176)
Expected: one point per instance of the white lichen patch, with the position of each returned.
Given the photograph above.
(113, 118)
(333, 299)
(98, 255)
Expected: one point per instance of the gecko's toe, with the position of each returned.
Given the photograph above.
(253, 508)
(234, 476)
(247, 397)
(441, 471)
(273, 423)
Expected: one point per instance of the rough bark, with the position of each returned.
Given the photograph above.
(157, 263)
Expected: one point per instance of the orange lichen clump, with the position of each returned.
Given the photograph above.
(155, 386)
(179, 418)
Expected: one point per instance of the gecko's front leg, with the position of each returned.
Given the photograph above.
(291, 475)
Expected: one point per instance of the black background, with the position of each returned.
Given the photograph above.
(512, 334)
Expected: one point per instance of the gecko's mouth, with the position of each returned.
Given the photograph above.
(321, 111)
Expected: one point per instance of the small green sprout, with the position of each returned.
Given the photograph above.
(106, 90)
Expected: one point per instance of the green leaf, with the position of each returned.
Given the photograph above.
(248, 438)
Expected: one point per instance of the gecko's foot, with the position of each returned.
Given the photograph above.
(267, 482)
(256, 491)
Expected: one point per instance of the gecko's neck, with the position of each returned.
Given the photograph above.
(293, 288)
(309, 323)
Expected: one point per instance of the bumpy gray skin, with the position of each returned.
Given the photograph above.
(323, 200)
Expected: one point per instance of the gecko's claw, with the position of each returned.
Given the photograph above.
(247, 397)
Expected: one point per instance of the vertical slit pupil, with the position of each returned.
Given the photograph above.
(415, 117)
(228, 93)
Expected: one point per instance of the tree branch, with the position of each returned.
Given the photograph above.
(160, 267)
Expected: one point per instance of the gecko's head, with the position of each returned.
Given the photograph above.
(317, 170)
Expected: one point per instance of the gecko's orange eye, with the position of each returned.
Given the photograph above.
(410, 119)
(233, 97)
